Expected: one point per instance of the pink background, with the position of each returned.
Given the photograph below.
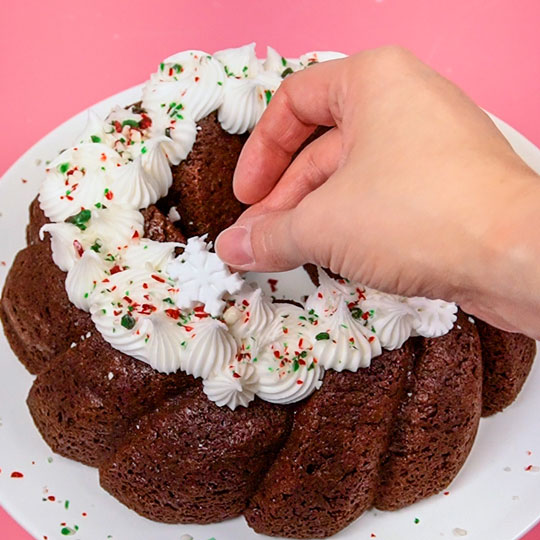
(59, 57)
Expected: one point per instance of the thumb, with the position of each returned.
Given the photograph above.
(263, 243)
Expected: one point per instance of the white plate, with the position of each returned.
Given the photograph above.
(494, 497)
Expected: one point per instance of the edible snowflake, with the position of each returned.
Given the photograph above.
(202, 277)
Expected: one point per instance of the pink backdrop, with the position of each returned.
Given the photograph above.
(59, 57)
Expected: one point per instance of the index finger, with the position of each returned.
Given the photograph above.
(304, 101)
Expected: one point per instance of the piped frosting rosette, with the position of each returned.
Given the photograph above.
(178, 307)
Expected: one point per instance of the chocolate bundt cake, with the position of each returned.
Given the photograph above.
(308, 422)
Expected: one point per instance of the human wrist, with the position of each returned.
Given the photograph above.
(500, 277)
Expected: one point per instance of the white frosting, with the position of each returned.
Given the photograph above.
(233, 386)
(342, 342)
(251, 315)
(435, 317)
(132, 310)
(209, 347)
(77, 179)
(168, 310)
(83, 277)
(394, 319)
(193, 79)
(247, 89)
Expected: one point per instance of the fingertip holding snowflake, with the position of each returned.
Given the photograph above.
(202, 277)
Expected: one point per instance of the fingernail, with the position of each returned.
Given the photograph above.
(234, 246)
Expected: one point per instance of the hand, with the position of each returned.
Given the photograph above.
(413, 190)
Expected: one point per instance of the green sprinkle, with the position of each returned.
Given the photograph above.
(98, 205)
(96, 246)
(127, 321)
(144, 150)
(178, 68)
(168, 300)
(296, 365)
(104, 311)
(102, 168)
(95, 138)
(64, 168)
(416, 521)
(80, 219)
(311, 366)
(283, 61)
(322, 335)
(66, 504)
(220, 83)
(49, 460)
(303, 354)
(268, 95)
(286, 72)
(356, 312)
(162, 66)
(130, 122)
(67, 531)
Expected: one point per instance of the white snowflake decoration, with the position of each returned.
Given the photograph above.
(202, 277)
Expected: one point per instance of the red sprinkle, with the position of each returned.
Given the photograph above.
(51, 498)
(528, 468)
(299, 381)
(103, 156)
(189, 328)
(273, 283)
(78, 247)
(16, 474)
(197, 79)
(235, 375)
(146, 121)
(173, 313)
(245, 303)
(115, 269)
(145, 285)
(146, 309)
(135, 234)
(446, 493)
(276, 354)
(109, 195)
(118, 126)
(24, 180)
(158, 278)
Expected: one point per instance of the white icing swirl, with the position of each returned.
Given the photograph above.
(132, 310)
(251, 315)
(247, 89)
(83, 277)
(287, 368)
(233, 386)
(435, 317)
(393, 319)
(342, 342)
(148, 253)
(106, 231)
(77, 179)
(209, 347)
(192, 78)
